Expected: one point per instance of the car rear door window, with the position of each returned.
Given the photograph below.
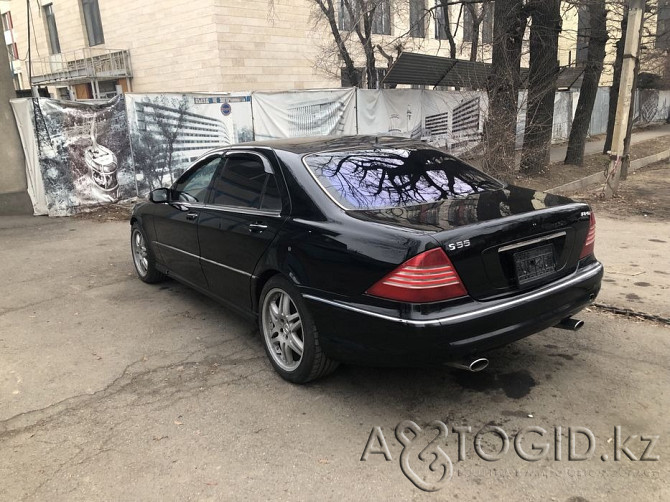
(395, 177)
(271, 198)
(245, 182)
(193, 185)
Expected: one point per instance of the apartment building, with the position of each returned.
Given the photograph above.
(12, 43)
(655, 43)
(96, 48)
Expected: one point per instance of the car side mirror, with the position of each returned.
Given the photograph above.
(159, 195)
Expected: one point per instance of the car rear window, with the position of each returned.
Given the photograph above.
(395, 177)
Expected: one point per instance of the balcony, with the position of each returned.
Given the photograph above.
(81, 65)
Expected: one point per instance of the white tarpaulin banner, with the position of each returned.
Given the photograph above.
(304, 113)
(77, 154)
(83, 154)
(396, 112)
(23, 112)
(565, 103)
(454, 119)
(449, 119)
(169, 131)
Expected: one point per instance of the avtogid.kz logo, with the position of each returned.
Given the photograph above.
(424, 461)
(439, 462)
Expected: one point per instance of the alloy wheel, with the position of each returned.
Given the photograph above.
(140, 256)
(282, 329)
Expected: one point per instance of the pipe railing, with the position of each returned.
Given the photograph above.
(85, 63)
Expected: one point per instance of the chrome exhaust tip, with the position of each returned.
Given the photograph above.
(570, 324)
(473, 366)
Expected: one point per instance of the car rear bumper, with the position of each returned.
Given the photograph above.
(370, 335)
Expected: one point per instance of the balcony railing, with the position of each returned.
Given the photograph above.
(81, 65)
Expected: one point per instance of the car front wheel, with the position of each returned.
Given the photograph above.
(289, 334)
(143, 257)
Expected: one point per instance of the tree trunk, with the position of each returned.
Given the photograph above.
(476, 22)
(616, 80)
(474, 46)
(371, 65)
(328, 10)
(450, 36)
(365, 37)
(503, 86)
(542, 76)
(589, 89)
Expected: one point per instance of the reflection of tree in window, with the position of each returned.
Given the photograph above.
(396, 177)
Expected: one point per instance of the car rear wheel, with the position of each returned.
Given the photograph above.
(143, 257)
(289, 334)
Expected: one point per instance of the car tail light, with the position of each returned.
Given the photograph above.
(428, 277)
(590, 241)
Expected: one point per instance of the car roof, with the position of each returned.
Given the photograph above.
(331, 143)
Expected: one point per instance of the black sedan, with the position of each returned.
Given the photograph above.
(369, 250)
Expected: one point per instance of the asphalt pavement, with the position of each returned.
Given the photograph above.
(635, 254)
(112, 389)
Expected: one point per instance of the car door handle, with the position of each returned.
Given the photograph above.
(191, 216)
(257, 227)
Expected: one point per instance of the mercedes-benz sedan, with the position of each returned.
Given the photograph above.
(370, 250)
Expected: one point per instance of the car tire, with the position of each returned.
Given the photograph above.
(143, 256)
(289, 335)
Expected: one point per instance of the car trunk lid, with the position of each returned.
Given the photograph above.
(500, 241)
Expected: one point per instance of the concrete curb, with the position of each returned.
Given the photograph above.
(599, 178)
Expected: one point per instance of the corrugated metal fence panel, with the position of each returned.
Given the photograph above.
(600, 109)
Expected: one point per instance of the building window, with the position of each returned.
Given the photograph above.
(344, 78)
(7, 21)
(381, 21)
(441, 28)
(487, 23)
(13, 52)
(92, 21)
(485, 16)
(381, 75)
(344, 18)
(52, 32)
(468, 24)
(663, 25)
(417, 17)
(583, 34)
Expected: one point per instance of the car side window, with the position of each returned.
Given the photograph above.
(192, 187)
(244, 182)
(271, 198)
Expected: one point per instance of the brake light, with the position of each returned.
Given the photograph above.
(590, 241)
(428, 277)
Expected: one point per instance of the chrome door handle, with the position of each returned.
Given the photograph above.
(257, 227)
(191, 216)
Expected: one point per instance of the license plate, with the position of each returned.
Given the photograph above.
(534, 264)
